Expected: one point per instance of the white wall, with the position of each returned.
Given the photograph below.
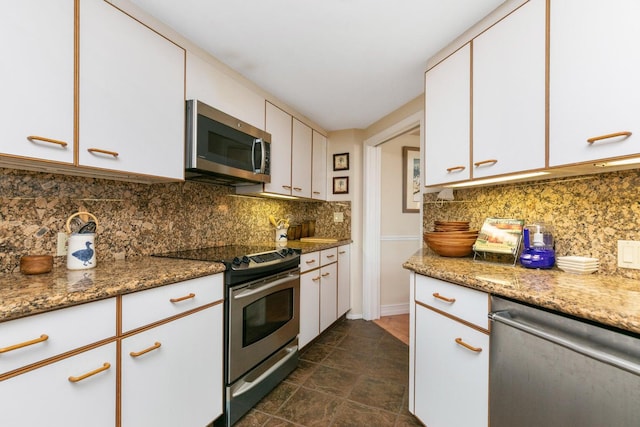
(399, 232)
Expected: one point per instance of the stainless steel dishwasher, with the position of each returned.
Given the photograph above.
(547, 369)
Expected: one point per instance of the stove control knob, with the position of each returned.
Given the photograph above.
(236, 261)
(245, 259)
(283, 252)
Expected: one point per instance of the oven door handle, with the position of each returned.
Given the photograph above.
(252, 291)
(248, 385)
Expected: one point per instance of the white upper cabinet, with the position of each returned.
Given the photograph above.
(447, 114)
(36, 79)
(278, 124)
(319, 167)
(594, 84)
(217, 89)
(509, 94)
(131, 99)
(301, 156)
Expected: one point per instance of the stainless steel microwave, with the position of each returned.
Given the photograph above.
(221, 149)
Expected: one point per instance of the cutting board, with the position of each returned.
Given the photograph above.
(318, 240)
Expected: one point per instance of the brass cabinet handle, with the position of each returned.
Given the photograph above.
(33, 138)
(325, 274)
(315, 279)
(449, 300)
(310, 261)
(486, 162)
(468, 346)
(456, 168)
(191, 295)
(104, 367)
(316, 192)
(330, 256)
(42, 338)
(155, 346)
(101, 151)
(342, 252)
(608, 136)
(297, 188)
(286, 187)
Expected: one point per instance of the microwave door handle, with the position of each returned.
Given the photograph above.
(263, 155)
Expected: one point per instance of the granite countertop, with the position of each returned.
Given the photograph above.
(23, 295)
(609, 300)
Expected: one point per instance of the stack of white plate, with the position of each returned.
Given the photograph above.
(577, 264)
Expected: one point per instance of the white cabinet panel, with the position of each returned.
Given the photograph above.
(36, 79)
(131, 95)
(278, 124)
(319, 167)
(344, 279)
(301, 152)
(179, 381)
(47, 397)
(509, 94)
(594, 85)
(309, 307)
(328, 295)
(208, 84)
(447, 115)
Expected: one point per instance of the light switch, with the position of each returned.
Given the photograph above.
(629, 254)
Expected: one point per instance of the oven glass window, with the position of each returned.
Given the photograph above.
(266, 315)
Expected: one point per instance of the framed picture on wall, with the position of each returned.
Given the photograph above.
(341, 162)
(341, 185)
(411, 195)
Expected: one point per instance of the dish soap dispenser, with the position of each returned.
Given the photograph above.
(538, 249)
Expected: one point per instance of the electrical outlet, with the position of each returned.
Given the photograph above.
(629, 254)
(61, 247)
(338, 217)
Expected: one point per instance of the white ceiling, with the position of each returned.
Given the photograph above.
(342, 63)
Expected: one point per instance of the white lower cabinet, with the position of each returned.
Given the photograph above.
(344, 279)
(309, 307)
(450, 367)
(172, 373)
(73, 392)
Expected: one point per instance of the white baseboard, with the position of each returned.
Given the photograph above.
(354, 316)
(393, 309)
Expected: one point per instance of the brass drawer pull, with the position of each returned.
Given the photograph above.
(286, 187)
(104, 367)
(310, 261)
(297, 188)
(449, 300)
(468, 346)
(325, 274)
(608, 136)
(191, 295)
(33, 138)
(486, 162)
(315, 279)
(98, 150)
(342, 252)
(42, 338)
(330, 256)
(456, 169)
(155, 346)
(316, 192)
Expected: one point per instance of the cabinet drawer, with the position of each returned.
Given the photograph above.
(145, 307)
(327, 256)
(467, 304)
(55, 332)
(309, 261)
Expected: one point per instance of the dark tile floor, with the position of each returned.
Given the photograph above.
(355, 374)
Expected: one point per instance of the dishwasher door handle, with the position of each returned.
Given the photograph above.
(602, 356)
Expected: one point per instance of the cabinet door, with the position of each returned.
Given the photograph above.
(46, 396)
(131, 95)
(301, 150)
(208, 84)
(344, 279)
(278, 124)
(309, 307)
(178, 382)
(509, 94)
(451, 381)
(594, 86)
(319, 168)
(447, 119)
(36, 79)
(328, 295)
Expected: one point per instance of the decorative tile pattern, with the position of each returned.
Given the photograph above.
(589, 213)
(141, 219)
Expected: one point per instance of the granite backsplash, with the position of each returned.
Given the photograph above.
(143, 219)
(589, 213)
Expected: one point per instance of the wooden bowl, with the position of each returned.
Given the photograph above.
(451, 250)
(36, 264)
